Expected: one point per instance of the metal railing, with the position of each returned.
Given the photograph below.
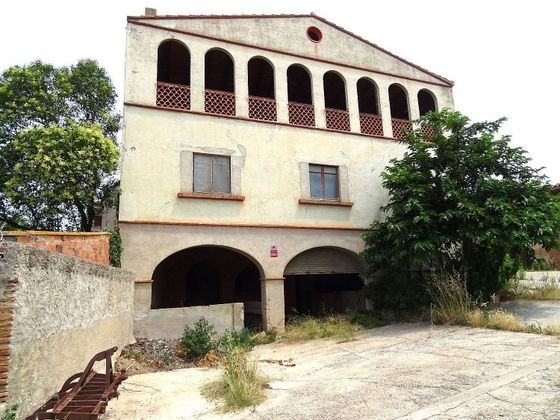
(371, 124)
(171, 95)
(262, 108)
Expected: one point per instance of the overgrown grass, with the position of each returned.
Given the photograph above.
(452, 305)
(240, 386)
(337, 327)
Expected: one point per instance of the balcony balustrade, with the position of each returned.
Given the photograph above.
(371, 124)
(398, 126)
(171, 95)
(219, 102)
(301, 114)
(263, 109)
(337, 119)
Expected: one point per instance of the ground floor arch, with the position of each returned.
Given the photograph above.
(323, 280)
(208, 275)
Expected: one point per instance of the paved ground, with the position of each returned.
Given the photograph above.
(541, 312)
(410, 371)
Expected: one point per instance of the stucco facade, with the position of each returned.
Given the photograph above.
(270, 213)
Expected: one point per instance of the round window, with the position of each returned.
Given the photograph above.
(314, 34)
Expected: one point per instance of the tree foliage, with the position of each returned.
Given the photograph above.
(463, 198)
(58, 153)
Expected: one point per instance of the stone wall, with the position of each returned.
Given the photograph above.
(92, 246)
(56, 312)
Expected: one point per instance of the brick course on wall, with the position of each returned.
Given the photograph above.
(93, 246)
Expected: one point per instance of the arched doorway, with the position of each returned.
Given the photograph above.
(323, 280)
(209, 275)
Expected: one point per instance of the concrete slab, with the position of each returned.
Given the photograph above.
(540, 312)
(410, 371)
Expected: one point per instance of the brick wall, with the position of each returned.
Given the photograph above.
(92, 246)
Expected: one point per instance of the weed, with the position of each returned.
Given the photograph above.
(265, 337)
(451, 301)
(453, 306)
(198, 341)
(549, 289)
(231, 339)
(498, 319)
(337, 327)
(363, 318)
(240, 386)
(10, 413)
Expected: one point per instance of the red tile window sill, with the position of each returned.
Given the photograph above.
(326, 202)
(211, 196)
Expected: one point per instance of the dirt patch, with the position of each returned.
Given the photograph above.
(149, 356)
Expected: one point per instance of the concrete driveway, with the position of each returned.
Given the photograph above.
(408, 371)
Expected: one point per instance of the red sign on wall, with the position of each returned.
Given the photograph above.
(274, 251)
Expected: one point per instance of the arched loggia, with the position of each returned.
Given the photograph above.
(323, 280)
(173, 75)
(336, 110)
(219, 83)
(300, 96)
(262, 103)
(208, 275)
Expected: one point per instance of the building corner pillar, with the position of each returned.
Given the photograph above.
(272, 299)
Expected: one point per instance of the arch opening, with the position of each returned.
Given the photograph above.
(173, 75)
(336, 113)
(208, 275)
(400, 119)
(262, 104)
(426, 102)
(399, 102)
(300, 97)
(334, 91)
(173, 63)
(368, 106)
(260, 78)
(299, 85)
(219, 96)
(367, 97)
(323, 280)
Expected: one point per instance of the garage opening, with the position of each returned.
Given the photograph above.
(208, 275)
(323, 281)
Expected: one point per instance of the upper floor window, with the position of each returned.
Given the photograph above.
(211, 174)
(336, 114)
(323, 182)
(173, 75)
(426, 102)
(300, 98)
(398, 102)
(174, 63)
(262, 105)
(219, 96)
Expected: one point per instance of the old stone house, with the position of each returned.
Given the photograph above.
(252, 152)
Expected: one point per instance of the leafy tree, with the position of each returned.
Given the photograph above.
(58, 148)
(463, 198)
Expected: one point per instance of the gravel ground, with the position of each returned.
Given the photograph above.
(411, 371)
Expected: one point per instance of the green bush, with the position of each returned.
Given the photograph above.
(400, 291)
(232, 339)
(199, 340)
(365, 319)
(115, 247)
